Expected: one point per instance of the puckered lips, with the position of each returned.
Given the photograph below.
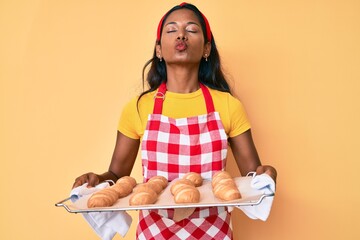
(181, 46)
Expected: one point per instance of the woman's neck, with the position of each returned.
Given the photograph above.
(182, 79)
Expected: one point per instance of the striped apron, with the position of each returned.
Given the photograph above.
(173, 147)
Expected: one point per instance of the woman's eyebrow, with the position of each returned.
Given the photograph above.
(175, 23)
(171, 23)
(190, 23)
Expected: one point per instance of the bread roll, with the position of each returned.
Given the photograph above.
(195, 178)
(224, 186)
(160, 180)
(144, 194)
(144, 187)
(220, 175)
(103, 198)
(142, 198)
(226, 192)
(124, 186)
(108, 196)
(187, 194)
(147, 193)
(184, 191)
(180, 182)
(122, 189)
(127, 180)
(155, 186)
(225, 181)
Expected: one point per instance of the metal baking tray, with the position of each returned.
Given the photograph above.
(249, 195)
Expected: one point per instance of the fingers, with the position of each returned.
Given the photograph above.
(260, 170)
(269, 170)
(91, 178)
(76, 184)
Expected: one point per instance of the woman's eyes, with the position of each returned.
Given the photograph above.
(190, 30)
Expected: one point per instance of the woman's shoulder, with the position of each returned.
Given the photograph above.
(141, 103)
(223, 96)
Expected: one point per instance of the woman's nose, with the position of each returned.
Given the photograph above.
(182, 36)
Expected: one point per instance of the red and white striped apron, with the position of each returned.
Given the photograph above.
(172, 147)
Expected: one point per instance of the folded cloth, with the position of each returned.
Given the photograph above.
(261, 211)
(105, 224)
(83, 190)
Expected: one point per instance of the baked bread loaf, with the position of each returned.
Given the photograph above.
(155, 186)
(159, 180)
(184, 191)
(142, 198)
(187, 194)
(103, 198)
(224, 186)
(219, 176)
(108, 196)
(122, 189)
(144, 194)
(127, 180)
(158, 183)
(195, 178)
(148, 193)
(144, 187)
(178, 183)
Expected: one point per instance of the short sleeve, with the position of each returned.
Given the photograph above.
(239, 122)
(129, 122)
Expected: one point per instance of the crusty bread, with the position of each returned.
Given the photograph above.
(108, 196)
(218, 176)
(160, 180)
(147, 193)
(144, 187)
(226, 192)
(187, 194)
(195, 178)
(180, 182)
(155, 186)
(127, 180)
(224, 186)
(184, 191)
(144, 194)
(142, 198)
(103, 198)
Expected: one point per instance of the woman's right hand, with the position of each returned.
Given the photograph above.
(91, 178)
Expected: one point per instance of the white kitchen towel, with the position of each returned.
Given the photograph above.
(105, 224)
(83, 190)
(261, 211)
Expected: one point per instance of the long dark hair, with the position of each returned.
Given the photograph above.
(210, 72)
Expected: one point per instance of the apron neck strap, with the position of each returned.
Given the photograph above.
(160, 97)
(208, 99)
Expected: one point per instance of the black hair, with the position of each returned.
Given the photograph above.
(210, 72)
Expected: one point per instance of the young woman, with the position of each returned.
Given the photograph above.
(184, 123)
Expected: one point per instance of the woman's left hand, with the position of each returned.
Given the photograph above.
(271, 171)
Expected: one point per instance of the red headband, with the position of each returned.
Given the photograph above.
(207, 25)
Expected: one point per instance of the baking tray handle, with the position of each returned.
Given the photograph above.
(61, 204)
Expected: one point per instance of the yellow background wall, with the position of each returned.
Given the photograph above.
(68, 67)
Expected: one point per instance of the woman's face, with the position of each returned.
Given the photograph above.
(182, 39)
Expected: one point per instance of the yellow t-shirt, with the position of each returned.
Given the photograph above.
(177, 105)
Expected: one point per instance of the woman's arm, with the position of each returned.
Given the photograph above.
(246, 156)
(122, 162)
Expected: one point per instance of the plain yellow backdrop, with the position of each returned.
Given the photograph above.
(68, 67)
